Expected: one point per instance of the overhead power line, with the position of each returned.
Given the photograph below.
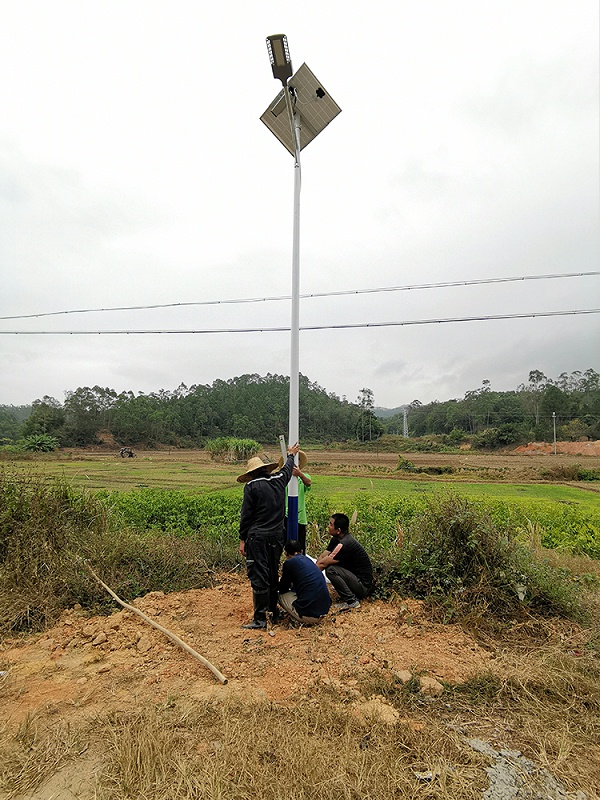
(345, 326)
(381, 289)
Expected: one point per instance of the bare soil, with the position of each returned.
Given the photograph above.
(87, 665)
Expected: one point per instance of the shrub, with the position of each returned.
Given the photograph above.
(427, 444)
(226, 448)
(455, 553)
(39, 443)
(47, 533)
(569, 472)
(404, 465)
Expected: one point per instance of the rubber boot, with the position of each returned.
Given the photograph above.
(261, 606)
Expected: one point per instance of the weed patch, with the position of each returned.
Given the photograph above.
(404, 465)
(458, 557)
(48, 531)
(569, 472)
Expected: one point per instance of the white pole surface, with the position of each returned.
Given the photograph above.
(294, 421)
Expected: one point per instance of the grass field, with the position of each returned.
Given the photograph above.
(336, 475)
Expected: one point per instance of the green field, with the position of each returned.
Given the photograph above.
(162, 472)
(342, 488)
(187, 493)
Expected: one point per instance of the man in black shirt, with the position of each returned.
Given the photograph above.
(303, 592)
(346, 565)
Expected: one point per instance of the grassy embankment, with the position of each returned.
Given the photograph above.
(481, 565)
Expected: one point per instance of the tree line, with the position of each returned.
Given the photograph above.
(249, 406)
(256, 407)
(532, 412)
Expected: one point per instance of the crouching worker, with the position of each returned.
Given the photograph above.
(303, 592)
(346, 565)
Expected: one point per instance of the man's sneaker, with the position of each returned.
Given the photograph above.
(346, 606)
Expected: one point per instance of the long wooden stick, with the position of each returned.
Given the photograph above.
(167, 633)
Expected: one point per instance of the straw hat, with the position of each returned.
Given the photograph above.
(253, 464)
(302, 460)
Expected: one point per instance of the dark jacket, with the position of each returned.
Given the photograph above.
(301, 574)
(263, 507)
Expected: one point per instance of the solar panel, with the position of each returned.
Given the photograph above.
(310, 101)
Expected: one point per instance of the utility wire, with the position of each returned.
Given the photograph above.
(443, 285)
(309, 327)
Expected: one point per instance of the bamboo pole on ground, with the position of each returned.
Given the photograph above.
(167, 633)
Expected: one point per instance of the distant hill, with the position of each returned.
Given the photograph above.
(384, 413)
(20, 413)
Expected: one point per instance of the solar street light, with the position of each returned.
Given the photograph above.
(296, 116)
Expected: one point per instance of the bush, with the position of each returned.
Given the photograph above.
(49, 531)
(226, 448)
(427, 444)
(569, 472)
(404, 465)
(455, 553)
(39, 443)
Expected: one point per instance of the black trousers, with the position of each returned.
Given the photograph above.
(263, 553)
(346, 584)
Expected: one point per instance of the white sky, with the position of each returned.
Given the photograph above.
(134, 170)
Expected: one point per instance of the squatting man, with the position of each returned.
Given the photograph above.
(346, 565)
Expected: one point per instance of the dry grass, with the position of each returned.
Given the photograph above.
(36, 752)
(542, 697)
(315, 750)
(539, 699)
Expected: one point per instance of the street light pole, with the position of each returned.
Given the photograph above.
(308, 110)
(294, 421)
(554, 426)
(281, 65)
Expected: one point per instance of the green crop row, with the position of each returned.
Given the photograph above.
(381, 519)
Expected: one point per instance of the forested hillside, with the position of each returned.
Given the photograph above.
(530, 413)
(246, 406)
(251, 406)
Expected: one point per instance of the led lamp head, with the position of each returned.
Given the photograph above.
(279, 55)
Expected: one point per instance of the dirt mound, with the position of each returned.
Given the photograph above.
(562, 448)
(86, 665)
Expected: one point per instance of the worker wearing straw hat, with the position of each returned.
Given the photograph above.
(261, 530)
(304, 484)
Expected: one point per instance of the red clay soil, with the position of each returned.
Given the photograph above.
(88, 665)
(563, 448)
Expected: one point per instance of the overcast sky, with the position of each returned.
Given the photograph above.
(134, 170)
